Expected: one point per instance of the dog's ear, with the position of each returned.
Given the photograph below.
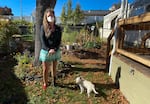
(81, 78)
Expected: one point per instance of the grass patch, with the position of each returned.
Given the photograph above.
(67, 92)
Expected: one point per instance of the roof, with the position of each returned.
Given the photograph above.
(96, 12)
(138, 3)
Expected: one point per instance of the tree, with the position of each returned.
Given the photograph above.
(78, 14)
(41, 6)
(63, 15)
(7, 29)
(69, 12)
(70, 16)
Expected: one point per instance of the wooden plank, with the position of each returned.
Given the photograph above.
(140, 26)
(137, 50)
(109, 49)
(136, 19)
(134, 57)
(111, 35)
(144, 38)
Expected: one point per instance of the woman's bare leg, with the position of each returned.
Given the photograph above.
(45, 66)
(53, 72)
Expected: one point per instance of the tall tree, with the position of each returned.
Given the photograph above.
(69, 12)
(41, 6)
(63, 15)
(78, 15)
(71, 16)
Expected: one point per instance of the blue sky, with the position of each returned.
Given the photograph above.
(28, 6)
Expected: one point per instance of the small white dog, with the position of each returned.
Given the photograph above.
(85, 84)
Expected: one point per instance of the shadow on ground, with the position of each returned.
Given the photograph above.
(84, 54)
(101, 88)
(11, 88)
(88, 69)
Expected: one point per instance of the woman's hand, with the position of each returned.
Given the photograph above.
(51, 51)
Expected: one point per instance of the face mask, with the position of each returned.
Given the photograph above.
(50, 19)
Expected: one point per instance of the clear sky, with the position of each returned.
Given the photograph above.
(26, 7)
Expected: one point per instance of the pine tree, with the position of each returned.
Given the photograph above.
(78, 15)
(69, 12)
(63, 15)
(70, 16)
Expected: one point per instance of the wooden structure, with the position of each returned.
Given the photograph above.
(130, 66)
(141, 22)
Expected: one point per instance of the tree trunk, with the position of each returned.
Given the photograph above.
(41, 5)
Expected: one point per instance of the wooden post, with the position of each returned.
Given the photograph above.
(109, 49)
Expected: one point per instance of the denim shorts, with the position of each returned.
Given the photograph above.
(46, 57)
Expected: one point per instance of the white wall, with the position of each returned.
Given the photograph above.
(107, 22)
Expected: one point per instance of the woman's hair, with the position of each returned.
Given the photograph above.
(45, 22)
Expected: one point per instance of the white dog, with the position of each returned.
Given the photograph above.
(85, 84)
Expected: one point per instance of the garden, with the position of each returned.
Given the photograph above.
(21, 82)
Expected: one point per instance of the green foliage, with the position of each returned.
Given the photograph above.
(78, 14)
(27, 37)
(63, 15)
(69, 11)
(7, 29)
(24, 23)
(83, 37)
(92, 45)
(24, 60)
(70, 16)
(69, 37)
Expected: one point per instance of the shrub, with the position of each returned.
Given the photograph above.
(24, 61)
(69, 36)
(92, 45)
(7, 29)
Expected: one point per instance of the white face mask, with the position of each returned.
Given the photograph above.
(50, 19)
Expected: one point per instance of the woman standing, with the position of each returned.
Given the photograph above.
(50, 41)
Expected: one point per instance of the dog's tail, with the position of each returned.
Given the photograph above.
(95, 91)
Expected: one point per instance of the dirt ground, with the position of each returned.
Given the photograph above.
(92, 63)
(88, 63)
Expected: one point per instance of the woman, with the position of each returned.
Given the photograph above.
(50, 41)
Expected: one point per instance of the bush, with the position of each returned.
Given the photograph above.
(69, 36)
(7, 29)
(24, 62)
(92, 45)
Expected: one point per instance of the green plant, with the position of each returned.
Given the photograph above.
(69, 36)
(27, 37)
(24, 61)
(24, 23)
(92, 45)
(7, 29)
